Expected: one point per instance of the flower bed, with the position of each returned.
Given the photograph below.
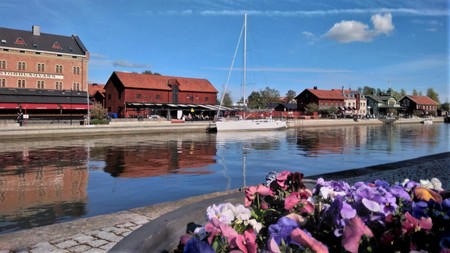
(283, 215)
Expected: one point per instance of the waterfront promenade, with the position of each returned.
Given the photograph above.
(102, 233)
(14, 131)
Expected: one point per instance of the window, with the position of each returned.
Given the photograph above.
(76, 86)
(157, 97)
(120, 95)
(40, 84)
(2, 64)
(138, 95)
(21, 65)
(76, 70)
(59, 85)
(41, 67)
(109, 98)
(21, 83)
(59, 68)
(3, 83)
(56, 45)
(20, 41)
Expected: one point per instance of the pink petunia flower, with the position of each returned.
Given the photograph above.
(299, 236)
(353, 231)
(282, 177)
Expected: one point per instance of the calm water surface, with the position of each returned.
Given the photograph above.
(44, 182)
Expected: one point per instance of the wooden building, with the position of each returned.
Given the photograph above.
(323, 98)
(141, 95)
(424, 104)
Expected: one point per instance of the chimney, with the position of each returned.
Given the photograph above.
(315, 87)
(36, 30)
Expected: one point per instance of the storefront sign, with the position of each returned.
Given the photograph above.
(25, 74)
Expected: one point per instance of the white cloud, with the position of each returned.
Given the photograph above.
(382, 23)
(351, 31)
(127, 64)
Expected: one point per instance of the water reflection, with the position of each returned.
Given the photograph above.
(156, 159)
(39, 187)
(49, 181)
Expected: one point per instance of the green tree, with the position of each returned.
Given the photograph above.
(312, 107)
(415, 93)
(227, 101)
(433, 94)
(290, 95)
(255, 100)
(270, 95)
(445, 107)
(149, 72)
(366, 90)
(98, 114)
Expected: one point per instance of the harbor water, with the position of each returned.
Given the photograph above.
(46, 181)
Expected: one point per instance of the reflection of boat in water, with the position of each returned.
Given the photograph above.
(247, 124)
(427, 121)
(250, 136)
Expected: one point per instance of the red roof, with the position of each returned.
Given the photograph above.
(157, 82)
(422, 100)
(93, 88)
(327, 94)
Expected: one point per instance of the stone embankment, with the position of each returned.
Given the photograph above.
(14, 131)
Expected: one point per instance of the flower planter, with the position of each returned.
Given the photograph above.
(163, 233)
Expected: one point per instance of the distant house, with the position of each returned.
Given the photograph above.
(323, 98)
(355, 103)
(133, 94)
(285, 107)
(97, 93)
(381, 105)
(418, 103)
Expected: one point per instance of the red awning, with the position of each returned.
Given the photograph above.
(40, 106)
(9, 106)
(74, 106)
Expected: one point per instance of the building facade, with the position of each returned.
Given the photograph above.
(134, 95)
(323, 98)
(424, 105)
(35, 60)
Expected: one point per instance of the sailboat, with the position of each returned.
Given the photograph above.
(247, 124)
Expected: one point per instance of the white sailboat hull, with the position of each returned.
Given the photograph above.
(250, 125)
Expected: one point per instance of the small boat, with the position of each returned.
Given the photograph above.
(247, 124)
(427, 121)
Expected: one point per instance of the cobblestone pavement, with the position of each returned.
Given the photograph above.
(93, 241)
(90, 235)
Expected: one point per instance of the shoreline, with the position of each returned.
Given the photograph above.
(102, 233)
(139, 127)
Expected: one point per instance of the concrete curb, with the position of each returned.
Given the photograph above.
(163, 233)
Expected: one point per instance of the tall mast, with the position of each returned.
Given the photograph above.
(245, 60)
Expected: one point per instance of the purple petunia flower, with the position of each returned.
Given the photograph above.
(195, 245)
(282, 230)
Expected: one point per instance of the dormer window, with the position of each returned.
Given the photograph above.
(20, 41)
(56, 45)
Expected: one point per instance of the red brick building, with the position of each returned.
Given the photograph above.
(35, 61)
(132, 95)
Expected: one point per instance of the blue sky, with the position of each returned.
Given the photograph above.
(292, 45)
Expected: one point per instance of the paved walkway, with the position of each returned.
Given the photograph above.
(95, 234)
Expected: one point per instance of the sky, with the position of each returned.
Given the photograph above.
(291, 45)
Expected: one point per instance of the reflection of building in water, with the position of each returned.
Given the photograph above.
(171, 157)
(331, 140)
(36, 179)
